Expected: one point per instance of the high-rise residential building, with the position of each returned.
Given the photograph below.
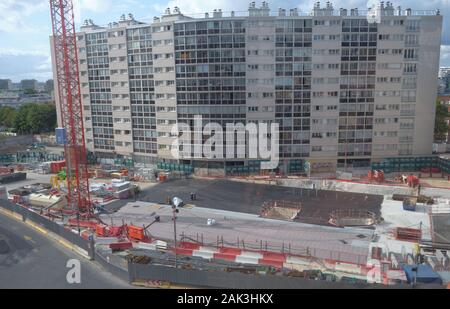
(5, 84)
(29, 84)
(346, 89)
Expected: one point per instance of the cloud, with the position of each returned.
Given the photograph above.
(44, 66)
(19, 65)
(14, 14)
(83, 8)
(96, 6)
(5, 51)
(202, 6)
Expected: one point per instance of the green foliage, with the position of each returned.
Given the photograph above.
(7, 115)
(441, 128)
(35, 118)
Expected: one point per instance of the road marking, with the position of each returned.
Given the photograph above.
(35, 226)
(55, 237)
(10, 214)
(28, 238)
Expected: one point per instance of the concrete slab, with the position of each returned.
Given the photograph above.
(251, 231)
(248, 198)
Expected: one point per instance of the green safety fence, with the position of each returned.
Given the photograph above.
(296, 166)
(7, 158)
(124, 162)
(254, 167)
(186, 168)
(403, 164)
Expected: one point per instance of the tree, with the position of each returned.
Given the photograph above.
(441, 127)
(20, 123)
(7, 115)
(35, 118)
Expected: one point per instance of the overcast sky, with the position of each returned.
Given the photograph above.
(25, 25)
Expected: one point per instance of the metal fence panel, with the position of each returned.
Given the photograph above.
(232, 280)
(111, 267)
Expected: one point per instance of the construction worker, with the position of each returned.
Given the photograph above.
(404, 178)
(137, 190)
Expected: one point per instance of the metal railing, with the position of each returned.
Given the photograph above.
(283, 248)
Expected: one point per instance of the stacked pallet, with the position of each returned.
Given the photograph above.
(408, 234)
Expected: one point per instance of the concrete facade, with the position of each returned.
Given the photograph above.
(345, 91)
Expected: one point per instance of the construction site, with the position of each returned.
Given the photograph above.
(362, 230)
(164, 224)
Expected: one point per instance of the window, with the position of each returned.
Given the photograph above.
(411, 40)
(410, 54)
(412, 25)
(319, 37)
(333, 66)
(333, 52)
(410, 68)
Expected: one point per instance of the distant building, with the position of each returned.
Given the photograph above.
(444, 71)
(441, 86)
(15, 99)
(29, 84)
(444, 81)
(5, 84)
(9, 98)
(16, 86)
(49, 86)
(445, 100)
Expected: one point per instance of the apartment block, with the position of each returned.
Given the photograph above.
(5, 84)
(346, 89)
(29, 84)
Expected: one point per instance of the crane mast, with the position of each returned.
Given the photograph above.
(68, 85)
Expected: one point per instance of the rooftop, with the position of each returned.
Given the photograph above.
(382, 9)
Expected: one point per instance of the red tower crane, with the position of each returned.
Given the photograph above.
(66, 59)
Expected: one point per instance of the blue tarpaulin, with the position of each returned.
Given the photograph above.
(424, 274)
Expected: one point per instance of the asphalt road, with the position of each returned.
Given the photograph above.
(28, 259)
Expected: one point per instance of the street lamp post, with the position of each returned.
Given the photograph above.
(174, 212)
(78, 223)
